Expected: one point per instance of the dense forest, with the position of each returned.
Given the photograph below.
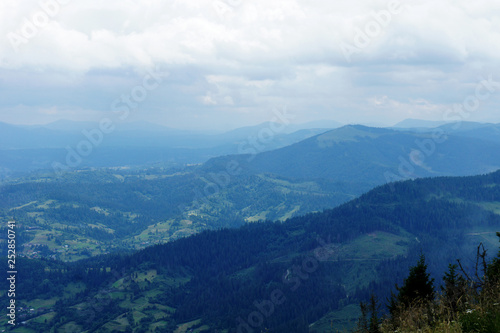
(310, 266)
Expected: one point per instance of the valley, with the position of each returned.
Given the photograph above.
(202, 246)
(87, 213)
(231, 166)
(328, 260)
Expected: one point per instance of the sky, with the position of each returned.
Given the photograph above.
(222, 64)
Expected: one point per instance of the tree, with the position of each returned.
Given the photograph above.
(418, 286)
(493, 271)
(374, 320)
(363, 321)
(454, 287)
(372, 325)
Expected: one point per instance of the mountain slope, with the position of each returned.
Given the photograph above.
(418, 123)
(121, 208)
(372, 155)
(486, 132)
(317, 173)
(277, 276)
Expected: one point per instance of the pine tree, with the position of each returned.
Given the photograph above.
(373, 324)
(363, 321)
(418, 286)
(454, 287)
(374, 319)
(493, 271)
(393, 303)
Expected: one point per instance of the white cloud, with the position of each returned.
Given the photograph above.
(244, 54)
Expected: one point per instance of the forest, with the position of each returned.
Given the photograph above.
(217, 277)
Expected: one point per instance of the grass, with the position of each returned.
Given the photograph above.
(41, 237)
(160, 232)
(160, 324)
(42, 303)
(290, 213)
(118, 295)
(25, 205)
(287, 185)
(73, 288)
(491, 206)
(152, 293)
(119, 324)
(102, 227)
(22, 330)
(119, 177)
(44, 318)
(258, 217)
(46, 204)
(70, 327)
(75, 244)
(183, 328)
(100, 210)
(375, 246)
(485, 235)
(337, 321)
(138, 316)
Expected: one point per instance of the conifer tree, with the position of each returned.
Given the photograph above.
(493, 271)
(363, 319)
(374, 319)
(418, 286)
(454, 287)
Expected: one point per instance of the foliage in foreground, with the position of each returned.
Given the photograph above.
(466, 303)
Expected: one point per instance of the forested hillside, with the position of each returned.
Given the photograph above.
(373, 156)
(308, 274)
(79, 214)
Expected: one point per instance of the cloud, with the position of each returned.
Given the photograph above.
(242, 55)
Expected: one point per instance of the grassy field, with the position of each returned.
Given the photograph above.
(491, 206)
(337, 321)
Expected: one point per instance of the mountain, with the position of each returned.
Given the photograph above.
(15, 137)
(70, 125)
(144, 134)
(318, 173)
(30, 148)
(372, 156)
(419, 123)
(61, 133)
(278, 129)
(78, 126)
(127, 208)
(486, 132)
(318, 124)
(300, 276)
(464, 126)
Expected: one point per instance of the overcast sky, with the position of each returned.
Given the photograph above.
(226, 63)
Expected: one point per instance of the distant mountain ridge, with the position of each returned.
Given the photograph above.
(342, 153)
(144, 134)
(30, 148)
(359, 153)
(419, 123)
